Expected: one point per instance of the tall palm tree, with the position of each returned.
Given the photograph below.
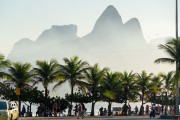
(111, 86)
(94, 76)
(72, 72)
(144, 85)
(20, 75)
(129, 84)
(3, 64)
(46, 73)
(172, 48)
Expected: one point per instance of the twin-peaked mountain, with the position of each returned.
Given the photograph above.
(111, 43)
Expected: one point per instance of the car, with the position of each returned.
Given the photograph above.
(7, 112)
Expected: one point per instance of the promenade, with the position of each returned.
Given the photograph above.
(94, 118)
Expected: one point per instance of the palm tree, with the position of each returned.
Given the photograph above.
(46, 73)
(156, 85)
(110, 87)
(20, 75)
(169, 84)
(129, 84)
(3, 64)
(144, 85)
(94, 76)
(172, 48)
(72, 72)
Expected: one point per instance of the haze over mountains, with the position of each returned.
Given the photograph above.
(112, 43)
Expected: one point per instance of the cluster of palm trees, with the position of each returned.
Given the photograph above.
(101, 84)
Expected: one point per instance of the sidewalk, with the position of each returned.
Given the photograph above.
(91, 118)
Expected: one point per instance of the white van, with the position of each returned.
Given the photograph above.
(6, 112)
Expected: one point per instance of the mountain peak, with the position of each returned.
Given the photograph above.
(110, 18)
(110, 10)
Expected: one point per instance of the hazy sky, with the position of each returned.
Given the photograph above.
(29, 18)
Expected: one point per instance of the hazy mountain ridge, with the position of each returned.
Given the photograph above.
(111, 43)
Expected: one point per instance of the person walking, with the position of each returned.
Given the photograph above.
(147, 109)
(23, 110)
(136, 110)
(80, 110)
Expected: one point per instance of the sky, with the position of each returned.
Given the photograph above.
(29, 18)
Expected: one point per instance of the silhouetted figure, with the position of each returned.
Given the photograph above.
(147, 109)
(129, 109)
(124, 109)
(23, 110)
(76, 109)
(81, 109)
(105, 112)
(101, 111)
(141, 110)
(136, 110)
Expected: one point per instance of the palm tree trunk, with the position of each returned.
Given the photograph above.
(177, 89)
(109, 108)
(30, 109)
(19, 101)
(72, 90)
(166, 104)
(92, 108)
(141, 108)
(45, 100)
(142, 97)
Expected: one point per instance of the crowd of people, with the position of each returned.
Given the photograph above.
(80, 110)
(55, 110)
(144, 110)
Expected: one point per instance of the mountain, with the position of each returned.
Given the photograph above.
(58, 34)
(111, 43)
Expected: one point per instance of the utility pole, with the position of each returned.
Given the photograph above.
(177, 63)
(176, 18)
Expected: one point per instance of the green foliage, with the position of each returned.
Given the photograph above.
(79, 97)
(94, 84)
(7, 92)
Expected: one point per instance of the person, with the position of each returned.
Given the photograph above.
(157, 109)
(162, 109)
(55, 109)
(105, 112)
(174, 110)
(80, 110)
(40, 110)
(69, 109)
(129, 109)
(125, 108)
(76, 109)
(141, 110)
(84, 108)
(101, 111)
(147, 109)
(136, 110)
(23, 110)
(153, 111)
(59, 108)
